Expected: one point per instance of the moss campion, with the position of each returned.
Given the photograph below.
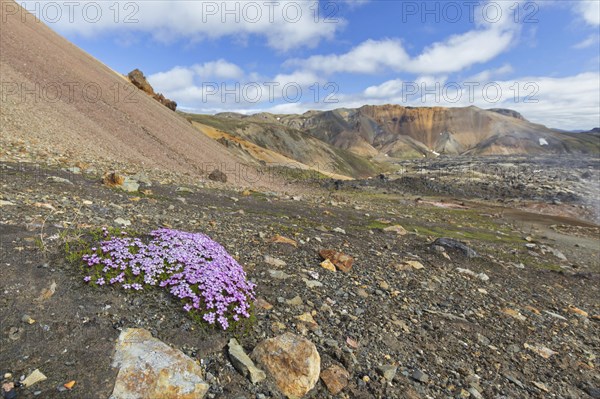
(194, 268)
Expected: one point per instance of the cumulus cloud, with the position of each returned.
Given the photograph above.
(589, 10)
(221, 85)
(369, 57)
(284, 24)
(180, 78)
(219, 69)
(569, 102)
(174, 79)
(491, 37)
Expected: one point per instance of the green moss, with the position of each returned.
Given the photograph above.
(373, 225)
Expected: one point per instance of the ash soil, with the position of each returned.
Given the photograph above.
(448, 333)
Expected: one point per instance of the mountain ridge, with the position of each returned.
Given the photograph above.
(384, 133)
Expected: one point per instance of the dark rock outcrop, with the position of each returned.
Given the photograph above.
(217, 175)
(139, 80)
(508, 112)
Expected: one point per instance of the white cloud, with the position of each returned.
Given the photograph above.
(285, 24)
(390, 88)
(180, 79)
(589, 10)
(591, 40)
(570, 102)
(174, 79)
(218, 69)
(369, 57)
(302, 78)
(219, 85)
(461, 51)
(490, 38)
(488, 74)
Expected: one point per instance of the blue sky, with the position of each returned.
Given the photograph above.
(541, 58)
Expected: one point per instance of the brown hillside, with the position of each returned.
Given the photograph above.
(72, 107)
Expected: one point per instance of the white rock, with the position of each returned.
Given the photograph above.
(149, 368)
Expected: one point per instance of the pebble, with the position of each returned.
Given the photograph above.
(278, 274)
(326, 264)
(420, 376)
(556, 315)
(312, 283)
(388, 371)
(274, 261)
(123, 222)
(56, 179)
(295, 301)
(475, 393)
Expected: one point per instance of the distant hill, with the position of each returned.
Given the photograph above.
(265, 139)
(376, 134)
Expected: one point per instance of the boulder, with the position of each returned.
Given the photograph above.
(172, 105)
(139, 80)
(217, 175)
(456, 245)
(149, 368)
(342, 261)
(115, 180)
(292, 361)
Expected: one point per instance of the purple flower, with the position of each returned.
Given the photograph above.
(191, 266)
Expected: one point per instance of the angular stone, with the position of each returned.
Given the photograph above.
(401, 231)
(544, 352)
(262, 303)
(578, 311)
(340, 260)
(326, 264)
(420, 376)
(279, 275)
(33, 378)
(292, 361)
(414, 264)
(123, 222)
(130, 185)
(454, 244)
(295, 301)
(242, 362)
(284, 240)
(335, 379)
(388, 371)
(149, 368)
(515, 314)
(308, 320)
(312, 283)
(269, 260)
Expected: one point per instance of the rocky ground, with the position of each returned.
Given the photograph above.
(408, 320)
(562, 185)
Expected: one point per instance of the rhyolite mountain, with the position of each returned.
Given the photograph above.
(389, 132)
